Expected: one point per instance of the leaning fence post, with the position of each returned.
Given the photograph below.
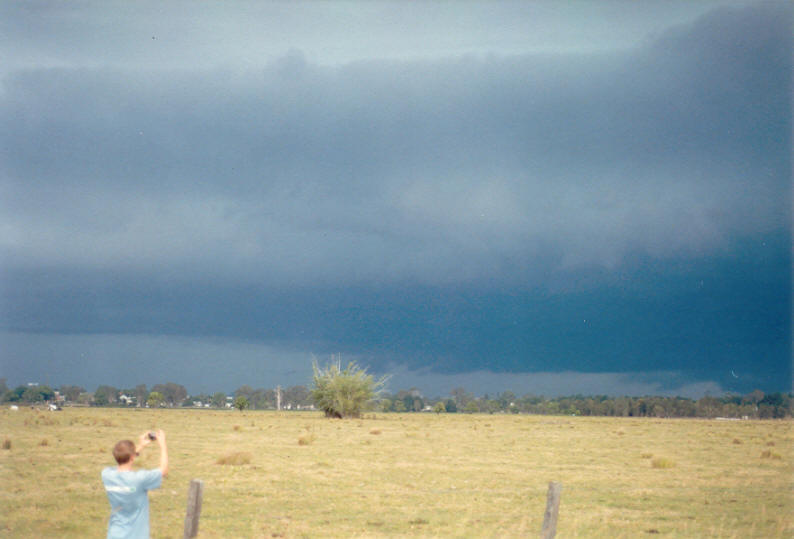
(549, 529)
(194, 495)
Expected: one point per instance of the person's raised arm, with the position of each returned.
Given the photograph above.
(143, 441)
(163, 452)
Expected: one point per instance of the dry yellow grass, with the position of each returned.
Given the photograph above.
(423, 475)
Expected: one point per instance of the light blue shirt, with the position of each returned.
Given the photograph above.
(129, 501)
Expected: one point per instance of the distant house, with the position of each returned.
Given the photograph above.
(304, 407)
(127, 400)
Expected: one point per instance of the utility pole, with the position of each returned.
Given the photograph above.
(278, 398)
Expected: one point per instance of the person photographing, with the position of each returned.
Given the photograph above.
(128, 489)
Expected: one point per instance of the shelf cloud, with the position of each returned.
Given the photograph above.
(615, 208)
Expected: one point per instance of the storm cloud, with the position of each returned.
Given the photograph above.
(618, 210)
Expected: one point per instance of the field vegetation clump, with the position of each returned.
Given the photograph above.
(344, 392)
(235, 459)
(662, 463)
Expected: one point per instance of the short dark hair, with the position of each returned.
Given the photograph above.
(123, 451)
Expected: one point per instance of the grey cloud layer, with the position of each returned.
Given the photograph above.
(622, 211)
(249, 33)
(442, 171)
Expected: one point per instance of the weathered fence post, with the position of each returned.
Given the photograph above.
(549, 529)
(194, 495)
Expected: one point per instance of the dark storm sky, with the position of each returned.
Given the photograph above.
(527, 196)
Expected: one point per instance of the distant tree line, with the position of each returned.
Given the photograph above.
(754, 405)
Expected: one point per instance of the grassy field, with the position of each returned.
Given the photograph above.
(424, 475)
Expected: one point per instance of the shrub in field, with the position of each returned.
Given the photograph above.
(662, 463)
(6, 444)
(235, 459)
(44, 442)
(770, 455)
(241, 403)
(306, 439)
(344, 392)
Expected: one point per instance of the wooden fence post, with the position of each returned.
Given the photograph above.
(549, 529)
(194, 494)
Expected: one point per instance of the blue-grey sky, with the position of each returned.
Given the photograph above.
(557, 198)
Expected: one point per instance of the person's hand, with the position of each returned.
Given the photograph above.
(143, 441)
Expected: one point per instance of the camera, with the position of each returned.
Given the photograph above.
(152, 436)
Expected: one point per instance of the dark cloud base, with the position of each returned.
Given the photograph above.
(703, 319)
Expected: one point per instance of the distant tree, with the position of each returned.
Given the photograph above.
(385, 405)
(100, 399)
(141, 394)
(31, 394)
(71, 393)
(707, 407)
(190, 399)
(344, 392)
(262, 399)
(506, 399)
(155, 399)
(295, 396)
(471, 408)
(461, 396)
(658, 411)
(47, 393)
(754, 397)
(450, 406)
(172, 393)
(241, 403)
(219, 400)
(683, 407)
(398, 406)
(774, 405)
(621, 406)
(105, 395)
(413, 403)
(244, 391)
(439, 407)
